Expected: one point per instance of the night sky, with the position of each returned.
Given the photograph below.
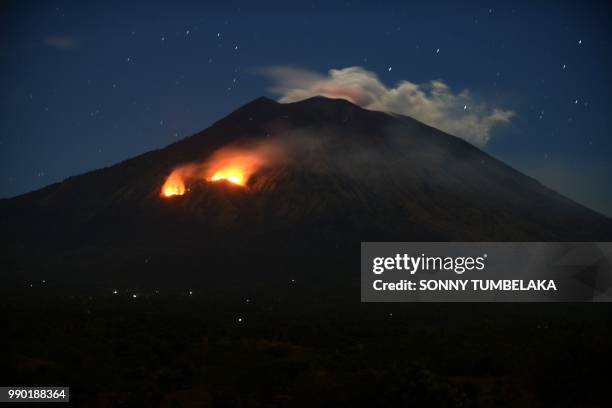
(85, 86)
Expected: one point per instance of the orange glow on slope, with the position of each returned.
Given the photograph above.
(234, 164)
(237, 165)
(232, 175)
(174, 185)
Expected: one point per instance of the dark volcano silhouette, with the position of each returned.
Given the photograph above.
(350, 175)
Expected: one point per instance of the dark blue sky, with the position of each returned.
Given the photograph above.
(88, 85)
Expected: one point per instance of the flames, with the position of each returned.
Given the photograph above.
(233, 175)
(174, 185)
(235, 165)
(232, 164)
(176, 182)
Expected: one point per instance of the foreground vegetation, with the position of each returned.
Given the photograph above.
(182, 350)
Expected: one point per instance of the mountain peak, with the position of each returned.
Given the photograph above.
(320, 173)
(318, 102)
(324, 103)
(262, 100)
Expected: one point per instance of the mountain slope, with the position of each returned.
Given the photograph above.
(347, 175)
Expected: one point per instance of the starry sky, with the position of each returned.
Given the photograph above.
(87, 85)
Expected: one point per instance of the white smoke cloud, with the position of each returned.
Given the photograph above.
(432, 103)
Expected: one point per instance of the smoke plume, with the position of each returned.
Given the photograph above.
(433, 103)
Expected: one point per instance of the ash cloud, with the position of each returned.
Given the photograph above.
(433, 103)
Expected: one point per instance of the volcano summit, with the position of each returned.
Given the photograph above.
(273, 188)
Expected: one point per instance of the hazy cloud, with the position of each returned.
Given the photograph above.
(61, 42)
(433, 103)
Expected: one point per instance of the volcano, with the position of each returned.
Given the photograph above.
(338, 175)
